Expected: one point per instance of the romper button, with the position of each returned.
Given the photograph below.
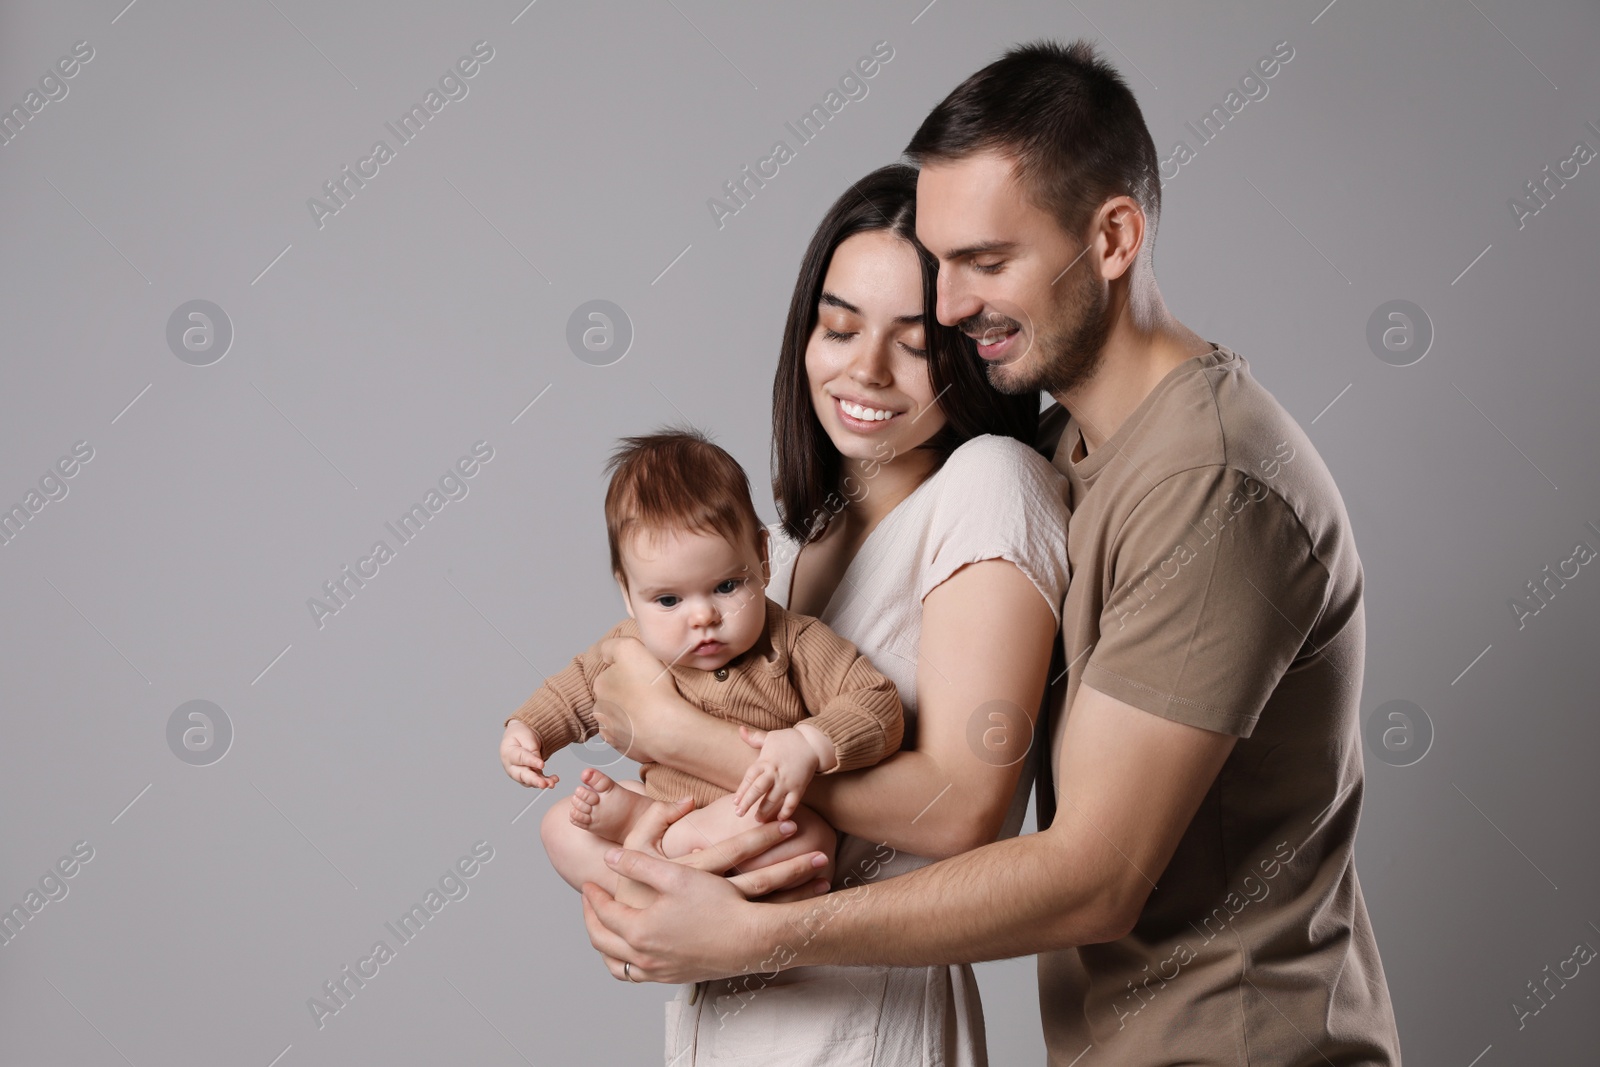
(721, 674)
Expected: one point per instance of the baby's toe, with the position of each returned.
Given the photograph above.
(598, 780)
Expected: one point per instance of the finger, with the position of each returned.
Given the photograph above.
(758, 781)
(752, 796)
(530, 779)
(753, 738)
(657, 872)
(773, 803)
(764, 880)
(769, 799)
(736, 850)
(791, 802)
(616, 968)
(741, 795)
(652, 825)
(605, 918)
(768, 809)
(527, 757)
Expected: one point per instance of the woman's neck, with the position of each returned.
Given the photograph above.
(878, 486)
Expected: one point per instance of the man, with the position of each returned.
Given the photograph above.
(1191, 894)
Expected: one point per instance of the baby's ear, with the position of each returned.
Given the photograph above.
(627, 601)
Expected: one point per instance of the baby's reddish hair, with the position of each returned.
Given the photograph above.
(676, 480)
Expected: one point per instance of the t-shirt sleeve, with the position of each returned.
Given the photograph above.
(999, 500)
(1213, 591)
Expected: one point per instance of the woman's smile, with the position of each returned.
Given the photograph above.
(863, 418)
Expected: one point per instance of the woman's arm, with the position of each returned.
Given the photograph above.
(987, 635)
(642, 715)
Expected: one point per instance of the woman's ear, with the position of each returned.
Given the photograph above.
(762, 542)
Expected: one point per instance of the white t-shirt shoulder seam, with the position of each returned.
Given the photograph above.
(999, 499)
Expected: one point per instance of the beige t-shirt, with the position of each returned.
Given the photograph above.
(1215, 582)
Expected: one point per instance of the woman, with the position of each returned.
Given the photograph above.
(918, 522)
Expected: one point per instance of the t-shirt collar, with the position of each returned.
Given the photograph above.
(1071, 444)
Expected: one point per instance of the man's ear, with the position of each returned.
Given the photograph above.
(627, 601)
(1121, 221)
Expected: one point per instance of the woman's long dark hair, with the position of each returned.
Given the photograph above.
(806, 466)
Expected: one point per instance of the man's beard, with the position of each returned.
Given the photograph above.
(1066, 358)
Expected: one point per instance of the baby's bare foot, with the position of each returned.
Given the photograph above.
(604, 808)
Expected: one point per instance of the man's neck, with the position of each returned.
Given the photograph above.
(1142, 348)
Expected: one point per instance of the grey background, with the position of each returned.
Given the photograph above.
(432, 310)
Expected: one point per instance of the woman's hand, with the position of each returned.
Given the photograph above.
(635, 697)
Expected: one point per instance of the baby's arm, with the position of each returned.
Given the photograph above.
(559, 713)
(851, 702)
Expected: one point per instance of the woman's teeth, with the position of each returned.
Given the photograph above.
(856, 411)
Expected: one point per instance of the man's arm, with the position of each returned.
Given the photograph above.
(1131, 783)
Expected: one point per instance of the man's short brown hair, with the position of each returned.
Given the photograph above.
(1066, 117)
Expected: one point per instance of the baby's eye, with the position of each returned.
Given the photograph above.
(667, 600)
(730, 585)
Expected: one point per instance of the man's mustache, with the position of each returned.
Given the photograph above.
(985, 327)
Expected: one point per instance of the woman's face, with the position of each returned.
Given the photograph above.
(866, 360)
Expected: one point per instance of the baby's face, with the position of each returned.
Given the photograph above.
(698, 601)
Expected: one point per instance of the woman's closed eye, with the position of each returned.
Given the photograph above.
(841, 337)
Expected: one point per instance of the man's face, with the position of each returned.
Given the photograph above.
(1010, 277)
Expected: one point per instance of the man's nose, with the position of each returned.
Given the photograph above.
(952, 301)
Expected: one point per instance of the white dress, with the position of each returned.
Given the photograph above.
(994, 497)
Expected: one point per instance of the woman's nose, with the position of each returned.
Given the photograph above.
(869, 364)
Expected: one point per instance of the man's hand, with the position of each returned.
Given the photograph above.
(710, 926)
(776, 782)
(521, 758)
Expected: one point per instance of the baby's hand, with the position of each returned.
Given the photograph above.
(776, 782)
(521, 758)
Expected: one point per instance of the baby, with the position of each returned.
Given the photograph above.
(691, 558)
